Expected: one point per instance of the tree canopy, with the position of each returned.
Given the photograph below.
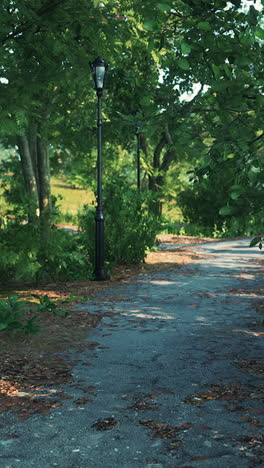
(186, 75)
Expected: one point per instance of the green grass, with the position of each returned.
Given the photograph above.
(72, 199)
(71, 202)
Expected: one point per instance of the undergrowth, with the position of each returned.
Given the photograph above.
(17, 316)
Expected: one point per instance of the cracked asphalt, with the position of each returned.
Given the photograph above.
(175, 378)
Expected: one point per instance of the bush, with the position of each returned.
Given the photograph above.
(21, 257)
(18, 251)
(12, 317)
(226, 196)
(201, 207)
(130, 225)
(66, 258)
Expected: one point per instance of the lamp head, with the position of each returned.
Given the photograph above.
(99, 71)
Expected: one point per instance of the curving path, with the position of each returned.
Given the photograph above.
(175, 378)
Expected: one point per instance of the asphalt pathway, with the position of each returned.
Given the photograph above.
(174, 380)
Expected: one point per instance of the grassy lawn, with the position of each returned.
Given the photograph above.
(72, 199)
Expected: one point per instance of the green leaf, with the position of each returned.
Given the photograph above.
(144, 101)
(208, 141)
(149, 25)
(163, 7)
(185, 48)
(4, 307)
(220, 85)
(204, 26)
(260, 100)
(227, 210)
(259, 33)
(243, 60)
(216, 70)
(227, 71)
(235, 195)
(246, 38)
(255, 241)
(3, 326)
(155, 57)
(184, 64)
(128, 118)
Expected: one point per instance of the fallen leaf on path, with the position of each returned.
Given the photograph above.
(105, 424)
(82, 401)
(143, 405)
(224, 392)
(89, 389)
(163, 431)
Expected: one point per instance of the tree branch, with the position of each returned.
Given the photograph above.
(26, 26)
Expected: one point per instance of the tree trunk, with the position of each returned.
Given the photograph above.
(29, 176)
(156, 179)
(44, 191)
(34, 154)
(36, 173)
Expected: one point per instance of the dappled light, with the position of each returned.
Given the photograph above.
(156, 314)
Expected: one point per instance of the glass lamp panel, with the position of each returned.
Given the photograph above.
(100, 73)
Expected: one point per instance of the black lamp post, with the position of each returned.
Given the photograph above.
(138, 157)
(99, 70)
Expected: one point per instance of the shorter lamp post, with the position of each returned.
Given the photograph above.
(99, 70)
(138, 157)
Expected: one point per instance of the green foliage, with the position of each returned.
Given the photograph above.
(13, 191)
(217, 44)
(130, 225)
(65, 258)
(12, 317)
(257, 240)
(15, 317)
(22, 258)
(19, 246)
(226, 194)
(47, 305)
(200, 206)
(10, 313)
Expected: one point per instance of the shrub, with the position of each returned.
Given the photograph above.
(21, 257)
(66, 257)
(130, 225)
(12, 317)
(18, 251)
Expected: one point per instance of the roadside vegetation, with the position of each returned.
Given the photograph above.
(194, 104)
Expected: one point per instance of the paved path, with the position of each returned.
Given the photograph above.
(173, 378)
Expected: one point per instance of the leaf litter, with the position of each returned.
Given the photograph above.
(233, 392)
